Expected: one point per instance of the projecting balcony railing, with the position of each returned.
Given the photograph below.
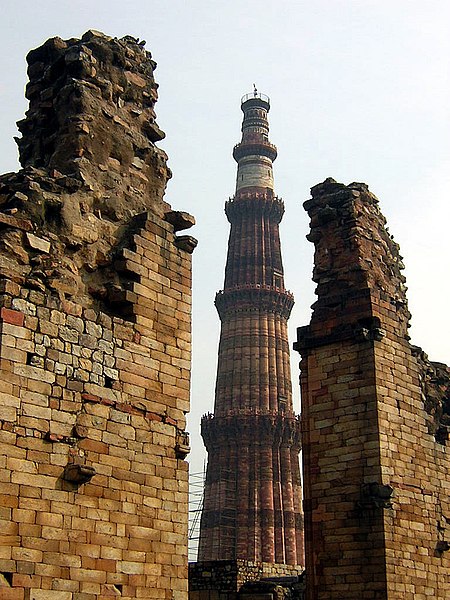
(254, 148)
(263, 297)
(255, 96)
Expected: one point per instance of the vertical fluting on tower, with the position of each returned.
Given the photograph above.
(252, 497)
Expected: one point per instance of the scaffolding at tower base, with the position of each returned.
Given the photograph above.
(196, 497)
(196, 491)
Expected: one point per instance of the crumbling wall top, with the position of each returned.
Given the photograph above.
(354, 251)
(91, 167)
(91, 115)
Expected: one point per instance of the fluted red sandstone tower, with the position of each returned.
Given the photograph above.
(253, 491)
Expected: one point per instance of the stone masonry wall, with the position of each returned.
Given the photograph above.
(95, 304)
(375, 415)
(233, 579)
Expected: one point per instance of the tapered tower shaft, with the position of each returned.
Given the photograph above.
(252, 496)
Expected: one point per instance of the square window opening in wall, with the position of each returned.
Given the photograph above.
(282, 402)
(109, 382)
(34, 360)
(278, 279)
(7, 578)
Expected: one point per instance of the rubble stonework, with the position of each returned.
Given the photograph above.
(375, 417)
(95, 305)
(239, 578)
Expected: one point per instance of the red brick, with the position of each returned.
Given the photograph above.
(14, 317)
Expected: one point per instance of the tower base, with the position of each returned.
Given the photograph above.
(246, 580)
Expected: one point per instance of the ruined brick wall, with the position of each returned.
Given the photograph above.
(95, 293)
(375, 417)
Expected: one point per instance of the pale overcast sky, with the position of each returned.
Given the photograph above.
(359, 91)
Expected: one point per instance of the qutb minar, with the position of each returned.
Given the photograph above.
(252, 501)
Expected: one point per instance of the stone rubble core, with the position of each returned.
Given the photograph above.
(375, 417)
(252, 499)
(95, 336)
(246, 580)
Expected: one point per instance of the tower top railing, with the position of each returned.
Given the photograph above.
(255, 95)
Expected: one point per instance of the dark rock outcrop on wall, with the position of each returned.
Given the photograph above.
(435, 385)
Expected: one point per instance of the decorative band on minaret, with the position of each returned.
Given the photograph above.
(255, 154)
(252, 499)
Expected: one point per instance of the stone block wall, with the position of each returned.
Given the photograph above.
(375, 415)
(233, 579)
(95, 306)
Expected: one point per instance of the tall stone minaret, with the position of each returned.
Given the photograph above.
(252, 502)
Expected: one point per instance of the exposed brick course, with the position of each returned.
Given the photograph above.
(94, 337)
(374, 414)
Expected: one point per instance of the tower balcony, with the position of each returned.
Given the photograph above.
(255, 99)
(254, 203)
(251, 148)
(274, 429)
(247, 297)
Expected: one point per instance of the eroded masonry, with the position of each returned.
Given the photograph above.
(95, 336)
(95, 340)
(375, 417)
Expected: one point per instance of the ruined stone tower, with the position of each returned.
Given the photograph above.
(375, 417)
(95, 291)
(252, 495)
